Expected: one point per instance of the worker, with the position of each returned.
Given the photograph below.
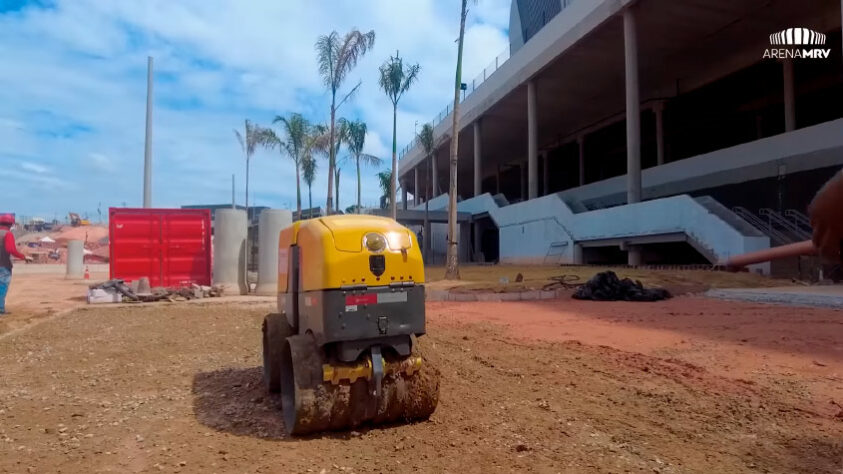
(7, 251)
(826, 212)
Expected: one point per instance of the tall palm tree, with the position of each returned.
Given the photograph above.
(254, 137)
(341, 137)
(315, 143)
(355, 141)
(295, 129)
(425, 137)
(452, 268)
(337, 56)
(395, 80)
(385, 182)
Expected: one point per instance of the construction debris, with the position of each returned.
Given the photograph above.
(606, 286)
(116, 291)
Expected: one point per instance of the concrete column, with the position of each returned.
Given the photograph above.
(545, 173)
(434, 173)
(532, 142)
(581, 146)
(477, 242)
(659, 110)
(404, 196)
(522, 167)
(789, 99)
(230, 250)
(498, 180)
(75, 257)
(633, 120)
(577, 257)
(269, 229)
(477, 154)
(416, 193)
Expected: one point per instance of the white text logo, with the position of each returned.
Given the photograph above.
(792, 37)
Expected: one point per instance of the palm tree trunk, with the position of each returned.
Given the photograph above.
(309, 202)
(452, 269)
(331, 155)
(393, 188)
(298, 191)
(358, 185)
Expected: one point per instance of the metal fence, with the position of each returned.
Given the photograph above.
(470, 88)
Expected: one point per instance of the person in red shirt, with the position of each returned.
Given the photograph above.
(7, 251)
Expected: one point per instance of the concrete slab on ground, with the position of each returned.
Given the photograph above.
(817, 296)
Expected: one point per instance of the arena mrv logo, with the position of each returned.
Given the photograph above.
(788, 44)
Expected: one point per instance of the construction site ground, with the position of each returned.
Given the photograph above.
(690, 384)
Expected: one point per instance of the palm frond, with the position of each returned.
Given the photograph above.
(240, 139)
(354, 46)
(425, 137)
(370, 160)
(395, 79)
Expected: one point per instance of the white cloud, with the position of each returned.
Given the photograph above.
(77, 95)
(34, 167)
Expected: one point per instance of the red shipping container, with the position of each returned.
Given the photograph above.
(172, 247)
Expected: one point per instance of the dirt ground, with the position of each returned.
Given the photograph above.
(535, 277)
(686, 385)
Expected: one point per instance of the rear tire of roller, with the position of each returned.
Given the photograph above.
(276, 330)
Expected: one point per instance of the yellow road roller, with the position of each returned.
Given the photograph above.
(342, 348)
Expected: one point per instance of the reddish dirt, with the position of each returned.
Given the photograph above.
(803, 346)
(177, 388)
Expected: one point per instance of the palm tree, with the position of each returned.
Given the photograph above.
(452, 269)
(337, 57)
(308, 171)
(355, 141)
(385, 182)
(341, 137)
(314, 143)
(425, 137)
(295, 129)
(395, 80)
(255, 136)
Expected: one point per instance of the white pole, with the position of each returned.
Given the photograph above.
(147, 149)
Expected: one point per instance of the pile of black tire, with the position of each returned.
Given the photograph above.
(606, 286)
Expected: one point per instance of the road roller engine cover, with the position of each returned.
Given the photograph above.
(342, 349)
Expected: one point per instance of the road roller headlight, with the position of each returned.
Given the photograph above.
(398, 240)
(374, 242)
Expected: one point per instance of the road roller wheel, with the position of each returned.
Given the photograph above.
(311, 405)
(276, 330)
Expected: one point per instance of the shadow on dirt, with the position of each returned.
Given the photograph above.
(236, 401)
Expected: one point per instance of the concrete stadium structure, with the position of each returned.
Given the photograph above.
(648, 131)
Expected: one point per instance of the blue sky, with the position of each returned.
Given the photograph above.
(73, 92)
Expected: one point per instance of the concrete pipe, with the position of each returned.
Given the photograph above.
(271, 223)
(791, 250)
(75, 257)
(230, 250)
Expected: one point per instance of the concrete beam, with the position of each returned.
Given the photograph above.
(789, 98)
(532, 142)
(633, 119)
(477, 158)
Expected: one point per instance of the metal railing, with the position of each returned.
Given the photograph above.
(470, 88)
(798, 218)
(779, 221)
(777, 237)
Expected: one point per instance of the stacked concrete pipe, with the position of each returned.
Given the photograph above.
(271, 223)
(230, 226)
